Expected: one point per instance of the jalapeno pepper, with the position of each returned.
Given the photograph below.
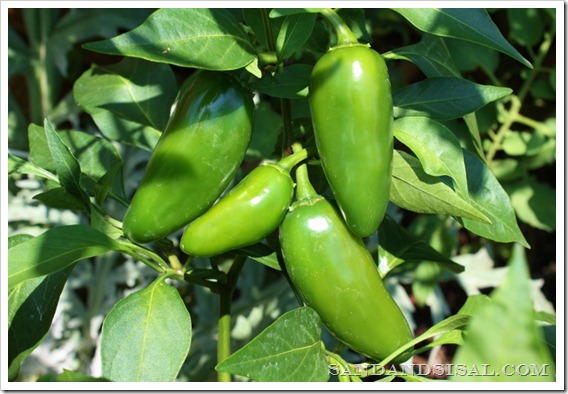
(196, 157)
(336, 276)
(351, 107)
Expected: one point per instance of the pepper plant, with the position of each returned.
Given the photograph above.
(279, 194)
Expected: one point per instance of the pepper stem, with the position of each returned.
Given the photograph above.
(290, 161)
(304, 189)
(344, 34)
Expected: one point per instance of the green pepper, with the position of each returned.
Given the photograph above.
(196, 157)
(249, 212)
(336, 276)
(351, 106)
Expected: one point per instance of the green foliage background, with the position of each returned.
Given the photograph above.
(52, 74)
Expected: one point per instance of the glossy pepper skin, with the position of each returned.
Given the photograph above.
(351, 106)
(196, 157)
(249, 212)
(336, 276)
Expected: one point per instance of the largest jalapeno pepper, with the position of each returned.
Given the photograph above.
(336, 276)
(351, 108)
(195, 159)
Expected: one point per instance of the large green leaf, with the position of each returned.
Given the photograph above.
(55, 250)
(470, 24)
(146, 336)
(131, 89)
(417, 191)
(129, 101)
(503, 334)
(31, 307)
(438, 149)
(208, 38)
(289, 350)
(487, 196)
(444, 98)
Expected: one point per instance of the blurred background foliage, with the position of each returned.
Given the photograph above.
(519, 134)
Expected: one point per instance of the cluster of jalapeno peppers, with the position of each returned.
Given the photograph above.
(321, 244)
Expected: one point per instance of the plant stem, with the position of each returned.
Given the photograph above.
(500, 135)
(289, 162)
(304, 189)
(138, 251)
(285, 105)
(224, 322)
(344, 34)
(288, 129)
(542, 52)
(267, 30)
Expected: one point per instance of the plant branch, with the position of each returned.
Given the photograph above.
(224, 322)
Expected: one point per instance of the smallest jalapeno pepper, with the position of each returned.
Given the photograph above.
(248, 213)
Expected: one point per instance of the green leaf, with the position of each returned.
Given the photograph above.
(503, 333)
(437, 148)
(449, 324)
(417, 191)
(474, 25)
(431, 55)
(456, 337)
(487, 195)
(17, 165)
(129, 101)
(98, 159)
(126, 131)
(18, 239)
(289, 350)
(534, 203)
(254, 19)
(81, 24)
(266, 129)
(54, 250)
(31, 307)
(291, 83)
(105, 224)
(398, 246)
(261, 253)
(525, 25)
(468, 56)
(70, 376)
(146, 336)
(60, 198)
(444, 98)
(293, 34)
(208, 38)
(66, 165)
